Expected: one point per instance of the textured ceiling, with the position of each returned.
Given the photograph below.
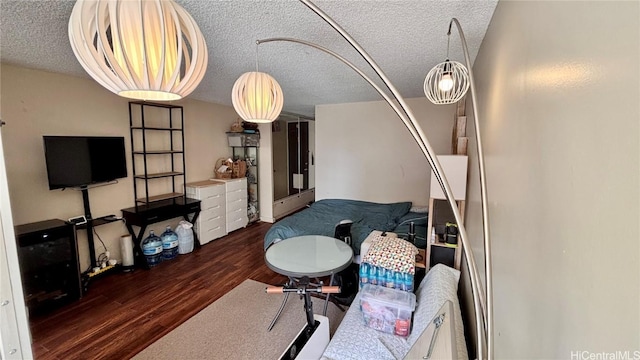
(405, 37)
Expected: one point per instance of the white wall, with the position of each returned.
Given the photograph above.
(558, 90)
(265, 175)
(36, 103)
(364, 151)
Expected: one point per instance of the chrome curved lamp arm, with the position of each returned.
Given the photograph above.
(399, 111)
(483, 193)
(416, 131)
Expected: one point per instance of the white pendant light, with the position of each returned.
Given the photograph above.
(446, 83)
(257, 97)
(140, 49)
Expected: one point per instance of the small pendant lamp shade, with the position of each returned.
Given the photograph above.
(257, 97)
(140, 49)
(446, 83)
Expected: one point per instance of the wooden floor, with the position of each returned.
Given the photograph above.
(123, 313)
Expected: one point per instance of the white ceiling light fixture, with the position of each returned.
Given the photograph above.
(447, 82)
(257, 96)
(139, 49)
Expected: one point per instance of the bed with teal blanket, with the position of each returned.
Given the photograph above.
(322, 217)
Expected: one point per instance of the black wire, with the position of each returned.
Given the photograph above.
(103, 245)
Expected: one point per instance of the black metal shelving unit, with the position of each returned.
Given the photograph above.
(246, 147)
(161, 124)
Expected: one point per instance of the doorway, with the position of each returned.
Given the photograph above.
(298, 146)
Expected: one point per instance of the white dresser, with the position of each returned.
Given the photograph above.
(211, 224)
(236, 203)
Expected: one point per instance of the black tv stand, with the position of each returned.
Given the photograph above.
(89, 225)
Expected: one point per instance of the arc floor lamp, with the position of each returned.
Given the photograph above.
(445, 78)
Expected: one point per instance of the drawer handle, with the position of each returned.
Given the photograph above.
(215, 207)
(214, 196)
(215, 228)
(215, 218)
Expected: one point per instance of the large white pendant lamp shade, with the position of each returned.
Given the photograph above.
(140, 49)
(446, 83)
(257, 97)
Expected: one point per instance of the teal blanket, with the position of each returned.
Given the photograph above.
(322, 217)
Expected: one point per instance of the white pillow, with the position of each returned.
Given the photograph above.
(439, 285)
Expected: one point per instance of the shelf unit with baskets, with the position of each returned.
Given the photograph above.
(246, 147)
(157, 151)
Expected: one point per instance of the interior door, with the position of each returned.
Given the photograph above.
(298, 144)
(304, 154)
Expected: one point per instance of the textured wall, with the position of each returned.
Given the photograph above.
(558, 91)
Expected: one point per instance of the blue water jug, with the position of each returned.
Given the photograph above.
(169, 244)
(152, 249)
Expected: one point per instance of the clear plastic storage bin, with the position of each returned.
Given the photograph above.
(387, 310)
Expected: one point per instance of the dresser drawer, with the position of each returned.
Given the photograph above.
(210, 229)
(236, 194)
(237, 212)
(237, 223)
(240, 184)
(211, 215)
(212, 234)
(209, 193)
(212, 190)
(202, 189)
(216, 201)
(236, 204)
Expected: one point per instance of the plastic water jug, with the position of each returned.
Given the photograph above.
(152, 249)
(169, 244)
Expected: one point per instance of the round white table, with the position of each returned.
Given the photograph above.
(308, 255)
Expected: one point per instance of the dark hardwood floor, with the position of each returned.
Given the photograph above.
(123, 313)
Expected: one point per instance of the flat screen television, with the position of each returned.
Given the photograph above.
(76, 161)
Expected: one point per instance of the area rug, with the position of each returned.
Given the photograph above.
(235, 327)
